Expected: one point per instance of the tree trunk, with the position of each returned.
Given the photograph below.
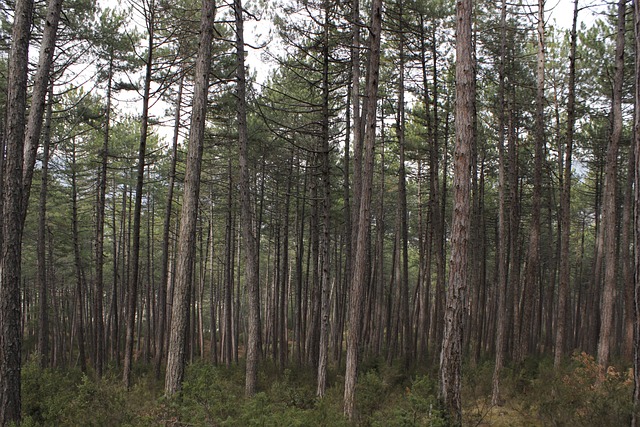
(325, 243)
(166, 231)
(532, 272)
(186, 237)
(565, 203)
(134, 261)
(364, 215)
(38, 95)
(403, 233)
(502, 249)
(100, 218)
(609, 203)
(636, 221)
(43, 288)
(10, 339)
(451, 355)
(227, 330)
(79, 311)
(246, 215)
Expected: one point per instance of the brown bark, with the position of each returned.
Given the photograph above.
(609, 202)
(502, 249)
(227, 330)
(166, 230)
(357, 127)
(451, 354)
(134, 261)
(186, 238)
(636, 221)
(323, 357)
(38, 95)
(403, 233)
(100, 218)
(565, 203)
(532, 268)
(10, 339)
(246, 215)
(438, 208)
(79, 299)
(357, 291)
(43, 288)
(427, 246)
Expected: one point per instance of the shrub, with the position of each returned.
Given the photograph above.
(586, 395)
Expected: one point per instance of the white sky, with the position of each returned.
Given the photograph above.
(561, 11)
(558, 12)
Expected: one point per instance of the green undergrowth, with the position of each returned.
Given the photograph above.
(533, 394)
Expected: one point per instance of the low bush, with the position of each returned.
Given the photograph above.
(581, 393)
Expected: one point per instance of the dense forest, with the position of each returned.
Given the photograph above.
(315, 212)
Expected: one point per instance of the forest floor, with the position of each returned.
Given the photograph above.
(534, 394)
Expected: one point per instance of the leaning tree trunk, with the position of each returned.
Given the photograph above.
(451, 355)
(38, 95)
(187, 234)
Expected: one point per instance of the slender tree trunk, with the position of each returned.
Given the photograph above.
(11, 238)
(357, 291)
(626, 256)
(166, 231)
(186, 238)
(407, 328)
(451, 355)
(43, 288)
(502, 250)
(79, 312)
(636, 221)
(300, 309)
(100, 218)
(532, 273)
(432, 209)
(246, 215)
(609, 215)
(313, 313)
(134, 261)
(357, 123)
(323, 354)
(228, 278)
(326, 210)
(438, 202)
(565, 203)
(38, 96)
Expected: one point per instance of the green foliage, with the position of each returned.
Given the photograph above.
(417, 406)
(46, 392)
(580, 393)
(70, 398)
(584, 394)
(210, 393)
